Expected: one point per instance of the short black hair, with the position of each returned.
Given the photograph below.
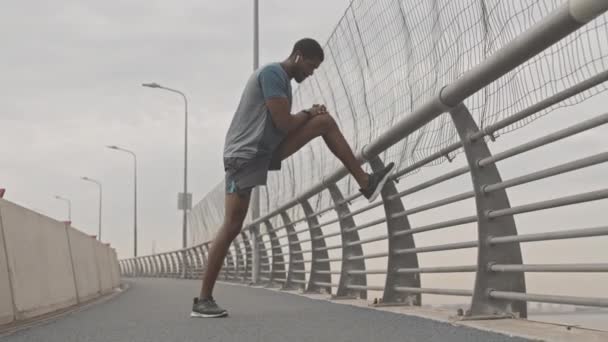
(309, 48)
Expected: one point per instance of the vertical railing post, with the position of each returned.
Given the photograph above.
(348, 236)
(146, 266)
(229, 263)
(151, 266)
(264, 258)
(239, 258)
(255, 254)
(392, 206)
(185, 264)
(139, 269)
(278, 262)
(174, 265)
(486, 280)
(296, 271)
(188, 262)
(159, 266)
(248, 256)
(150, 261)
(132, 269)
(166, 265)
(199, 261)
(317, 242)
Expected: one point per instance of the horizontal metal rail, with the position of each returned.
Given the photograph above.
(329, 259)
(356, 272)
(442, 269)
(554, 203)
(329, 272)
(436, 204)
(559, 235)
(584, 301)
(437, 180)
(368, 256)
(554, 171)
(322, 237)
(439, 225)
(327, 248)
(368, 240)
(564, 133)
(326, 284)
(445, 247)
(365, 225)
(550, 268)
(447, 292)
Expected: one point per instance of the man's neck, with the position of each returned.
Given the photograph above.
(288, 67)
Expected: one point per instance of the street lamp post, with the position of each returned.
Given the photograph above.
(100, 197)
(113, 147)
(69, 206)
(255, 197)
(185, 199)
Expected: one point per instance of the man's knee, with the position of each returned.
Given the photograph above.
(325, 122)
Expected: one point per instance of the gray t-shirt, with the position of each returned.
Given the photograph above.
(252, 133)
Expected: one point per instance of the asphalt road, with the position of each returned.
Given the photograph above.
(157, 310)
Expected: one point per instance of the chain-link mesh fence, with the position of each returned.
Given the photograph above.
(386, 57)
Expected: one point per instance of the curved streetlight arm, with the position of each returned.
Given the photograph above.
(184, 220)
(69, 206)
(114, 147)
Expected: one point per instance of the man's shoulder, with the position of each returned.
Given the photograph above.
(274, 68)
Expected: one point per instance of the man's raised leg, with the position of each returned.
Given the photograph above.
(324, 125)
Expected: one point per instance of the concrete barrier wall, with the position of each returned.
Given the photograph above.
(85, 264)
(115, 268)
(103, 264)
(7, 313)
(39, 259)
(46, 265)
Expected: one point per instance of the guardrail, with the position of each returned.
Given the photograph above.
(500, 288)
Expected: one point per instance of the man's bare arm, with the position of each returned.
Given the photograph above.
(282, 118)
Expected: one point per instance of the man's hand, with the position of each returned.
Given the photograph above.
(317, 109)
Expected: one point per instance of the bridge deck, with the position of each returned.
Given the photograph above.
(157, 310)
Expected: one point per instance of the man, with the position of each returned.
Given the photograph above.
(263, 132)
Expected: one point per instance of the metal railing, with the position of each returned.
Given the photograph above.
(297, 253)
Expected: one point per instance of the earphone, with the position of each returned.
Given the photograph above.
(297, 58)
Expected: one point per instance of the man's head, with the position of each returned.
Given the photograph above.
(306, 56)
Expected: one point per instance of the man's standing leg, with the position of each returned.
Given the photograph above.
(236, 206)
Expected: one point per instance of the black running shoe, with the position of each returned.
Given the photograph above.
(207, 308)
(376, 182)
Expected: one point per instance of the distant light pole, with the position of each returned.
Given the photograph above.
(69, 206)
(100, 197)
(185, 200)
(113, 147)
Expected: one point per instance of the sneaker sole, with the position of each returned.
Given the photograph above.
(200, 315)
(381, 185)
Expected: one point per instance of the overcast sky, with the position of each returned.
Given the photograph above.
(71, 84)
